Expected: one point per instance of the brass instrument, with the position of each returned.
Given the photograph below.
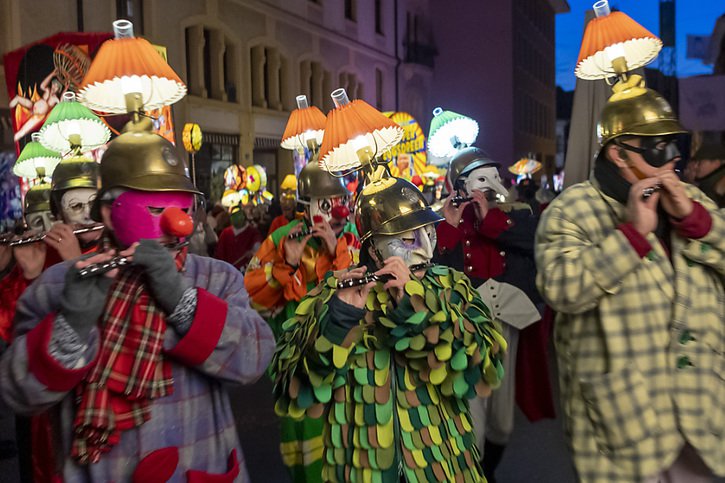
(118, 261)
(371, 277)
(41, 236)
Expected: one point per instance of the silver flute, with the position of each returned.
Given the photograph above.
(459, 200)
(306, 230)
(371, 277)
(26, 240)
(117, 262)
(647, 192)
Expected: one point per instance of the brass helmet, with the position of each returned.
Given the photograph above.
(71, 173)
(390, 206)
(634, 110)
(465, 161)
(142, 160)
(37, 199)
(314, 181)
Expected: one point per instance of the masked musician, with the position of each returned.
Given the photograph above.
(239, 242)
(492, 243)
(287, 202)
(632, 261)
(390, 364)
(291, 262)
(131, 361)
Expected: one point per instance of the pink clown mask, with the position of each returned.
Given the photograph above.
(136, 215)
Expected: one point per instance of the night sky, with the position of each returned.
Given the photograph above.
(695, 17)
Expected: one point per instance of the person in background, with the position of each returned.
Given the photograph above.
(633, 263)
(288, 265)
(709, 166)
(287, 202)
(239, 242)
(492, 242)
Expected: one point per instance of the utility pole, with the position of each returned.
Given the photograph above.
(668, 55)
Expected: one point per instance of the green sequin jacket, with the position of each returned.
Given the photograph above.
(394, 389)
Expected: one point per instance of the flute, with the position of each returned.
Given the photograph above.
(41, 236)
(371, 277)
(117, 262)
(647, 192)
(459, 200)
(301, 234)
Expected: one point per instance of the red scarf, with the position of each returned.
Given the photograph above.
(131, 369)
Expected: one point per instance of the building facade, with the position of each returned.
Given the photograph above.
(244, 61)
(496, 65)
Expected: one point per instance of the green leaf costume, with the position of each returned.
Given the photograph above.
(394, 389)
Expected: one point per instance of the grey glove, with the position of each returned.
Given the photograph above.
(83, 300)
(165, 281)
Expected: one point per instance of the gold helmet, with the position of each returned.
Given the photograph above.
(634, 110)
(144, 161)
(315, 182)
(466, 160)
(71, 173)
(390, 206)
(37, 199)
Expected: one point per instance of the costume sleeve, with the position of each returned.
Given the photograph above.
(516, 229)
(312, 355)
(227, 339)
(262, 277)
(221, 248)
(31, 379)
(705, 245)
(446, 334)
(12, 286)
(573, 273)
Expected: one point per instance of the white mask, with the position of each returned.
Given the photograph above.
(414, 247)
(484, 179)
(75, 205)
(323, 207)
(39, 220)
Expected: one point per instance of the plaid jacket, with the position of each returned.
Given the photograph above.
(639, 339)
(227, 341)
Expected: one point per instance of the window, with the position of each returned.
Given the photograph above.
(379, 89)
(379, 16)
(349, 82)
(210, 63)
(269, 78)
(313, 79)
(350, 10)
(131, 10)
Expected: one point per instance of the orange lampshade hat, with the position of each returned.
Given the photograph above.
(305, 123)
(613, 44)
(125, 65)
(355, 133)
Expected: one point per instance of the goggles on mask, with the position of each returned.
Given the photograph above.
(655, 150)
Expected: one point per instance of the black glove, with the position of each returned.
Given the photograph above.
(83, 300)
(165, 281)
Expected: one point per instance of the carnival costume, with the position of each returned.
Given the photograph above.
(392, 380)
(276, 289)
(132, 365)
(639, 326)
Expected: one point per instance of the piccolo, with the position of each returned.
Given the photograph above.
(41, 236)
(647, 192)
(118, 262)
(459, 200)
(306, 230)
(371, 277)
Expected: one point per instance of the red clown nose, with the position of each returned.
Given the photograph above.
(175, 222)
(340, 212)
